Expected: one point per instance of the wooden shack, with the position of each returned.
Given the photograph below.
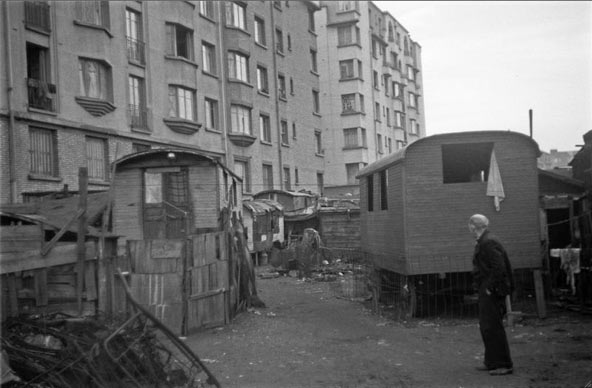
(416, 203)
(300, 210)
(264, 224)
(175, 211)
(45, 267)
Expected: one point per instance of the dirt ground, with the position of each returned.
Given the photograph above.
(307, 337)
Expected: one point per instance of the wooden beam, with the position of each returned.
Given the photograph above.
(50, 244)
(83, 190)
(539, 293)
(28, 260)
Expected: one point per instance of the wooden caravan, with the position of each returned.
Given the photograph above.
(175, 209)
(300, 210)
(264, 224)
(416, 203)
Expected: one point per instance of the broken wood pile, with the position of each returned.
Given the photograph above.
(63, 351)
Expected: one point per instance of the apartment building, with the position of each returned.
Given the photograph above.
(84, 83)
(371, 84)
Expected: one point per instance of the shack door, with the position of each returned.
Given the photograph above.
(166, 203)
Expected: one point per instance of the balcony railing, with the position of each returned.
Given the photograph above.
(138, 117)
(37, 15)
(136, 50)
(40, 94)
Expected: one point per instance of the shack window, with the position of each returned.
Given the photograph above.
(370, 189)
(153, 184)
(467, 162)
(383, 190)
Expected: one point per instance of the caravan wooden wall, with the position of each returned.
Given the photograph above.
(436, 214)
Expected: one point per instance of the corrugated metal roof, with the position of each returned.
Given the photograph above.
(262, 206)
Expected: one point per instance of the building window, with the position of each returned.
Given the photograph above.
(391, 35)
(390, 145)
(410, 73)
(400, 144)
(179, 40)
(279, 41)
(347, 35)
(370, 192)
(240, 118)
(236, 15)
(262, 83)
(208, 53)
(412, 100)
(397, 90)
(351, 170)
(267, 177)
(313, 61)
(413, 126)
(137, 102)
(282, 86)
(40, 91)
(211, 110)
(238, 66)
(289, 40)
(95, 13)
(133, 32)
(398, 119)
(383, 190)
(260, 31)
(96, 158)
(463, 163)
(345, 6)
(316, 104)
(379, 143)
(377, 111)
(311, 21)
(320, 182)
(294, 130)
(291, 86)
(181, 103)
(318, 143)
(348, 103)
(37, 15)
(388, 117)
(241, 168)
(296, 177)
(350, 137)
(206, 8)
(287, 180)
(264, 128)
(346, 69)
(364, 139)
(284, 132)
(43, 152)
(95, 79)
(375, 80)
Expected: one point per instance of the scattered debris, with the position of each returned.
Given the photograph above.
(59, 350)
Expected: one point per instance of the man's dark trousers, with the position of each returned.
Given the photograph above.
(491, 325)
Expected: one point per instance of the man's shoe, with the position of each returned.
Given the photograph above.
(501, 371)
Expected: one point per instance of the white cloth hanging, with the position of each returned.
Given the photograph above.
(495, 188)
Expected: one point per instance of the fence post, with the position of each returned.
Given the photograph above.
(539, 292)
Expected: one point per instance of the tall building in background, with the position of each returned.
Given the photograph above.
(83, 83)
(371, 85)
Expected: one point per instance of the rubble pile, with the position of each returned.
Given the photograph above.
(63, 351)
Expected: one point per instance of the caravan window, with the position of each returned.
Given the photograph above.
(468, 162)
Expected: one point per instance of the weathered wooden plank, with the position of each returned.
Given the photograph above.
(60, 255)
(41, 295)
(90, 289)
(49, 245)
(12, 295)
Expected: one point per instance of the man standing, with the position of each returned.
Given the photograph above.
(492, 275)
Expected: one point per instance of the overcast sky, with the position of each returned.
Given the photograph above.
(486, 63)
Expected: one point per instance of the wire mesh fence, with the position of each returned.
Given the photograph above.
(398, 296)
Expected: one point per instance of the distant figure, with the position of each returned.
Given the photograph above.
(492, 275)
